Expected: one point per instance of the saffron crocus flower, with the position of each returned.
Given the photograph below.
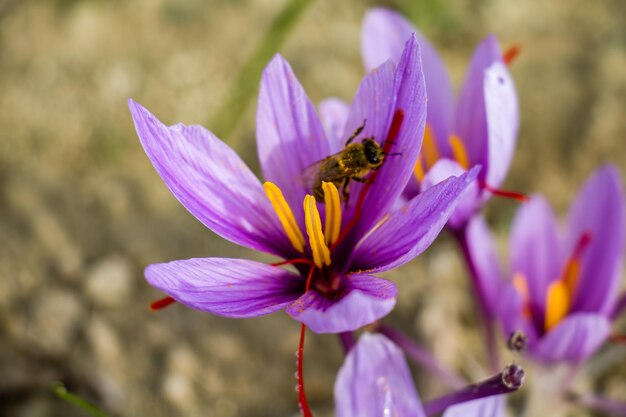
(337, 246)
(375, 381)
(479, 128)
(562, 288)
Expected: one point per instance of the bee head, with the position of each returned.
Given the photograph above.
(373, 152)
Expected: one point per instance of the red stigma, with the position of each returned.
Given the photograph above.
(619, 339)
(582, 244)
(295, 261)
(162, 303)
(304, 405)
(394, 129)
(522, 198)
(510, 54)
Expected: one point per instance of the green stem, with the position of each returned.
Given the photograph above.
(60, 391)
(244, 87)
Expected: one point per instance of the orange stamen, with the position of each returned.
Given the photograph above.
(429, 150)
(561, 293)
(522, 198)
(510, 54)
(162, 303)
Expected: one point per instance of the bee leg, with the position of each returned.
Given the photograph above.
(345, 193)
(360, 179)
(356, 133)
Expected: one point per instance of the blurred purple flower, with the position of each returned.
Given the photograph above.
(480, 128)
(337, 264)
(375, 381)
(562, 291)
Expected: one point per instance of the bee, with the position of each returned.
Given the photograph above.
(354, 162)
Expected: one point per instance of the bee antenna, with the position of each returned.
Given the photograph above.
(392, 154)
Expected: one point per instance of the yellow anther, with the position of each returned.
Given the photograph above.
(285, 215)
(332, 227)
(459, 152)
(429, 151)
(557, 304)
(418, 170)
(313, 222)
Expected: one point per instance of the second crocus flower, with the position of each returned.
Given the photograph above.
(562, 288)
(375, 381)
(477, 128)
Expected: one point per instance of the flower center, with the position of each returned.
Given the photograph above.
(561, 292)
(319, 241)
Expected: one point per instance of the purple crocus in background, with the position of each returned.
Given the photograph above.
(375, 381)
(334, 289)
(562, 289)
(480, 128)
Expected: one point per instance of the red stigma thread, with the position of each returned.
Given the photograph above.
(510, 54)
(581, 245)
(295, 261)
(304, 405)
(619, 339)
(522, 198)
(162, 303)
(392, 134)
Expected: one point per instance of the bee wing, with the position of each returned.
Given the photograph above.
(327, 169)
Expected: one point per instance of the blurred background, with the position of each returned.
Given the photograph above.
(82, 211)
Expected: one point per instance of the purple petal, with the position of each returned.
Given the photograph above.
(599, 209)
(212, 182)
(409, 231)
(485, 407)
(375, 381)
(471, 200)
(334, 113)
(535, 249)
(408, 95)
(372, 104)
(226, 287)
(383, 37)
(502, 122)
(574, 339)
(510, 311)
(471, 121)
(482, 252)
(365, 300)
(290, 136)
